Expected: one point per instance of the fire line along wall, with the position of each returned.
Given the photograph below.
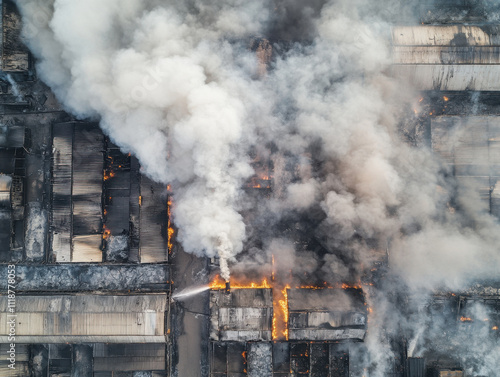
(320, 326)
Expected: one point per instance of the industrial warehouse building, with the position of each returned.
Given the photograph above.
(89, 233)
(319, 323)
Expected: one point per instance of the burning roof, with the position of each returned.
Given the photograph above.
(245, 313)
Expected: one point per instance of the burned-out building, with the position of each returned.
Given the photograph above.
(16, 57)
(452, 58)
(103, 209)
(307, 332)
(12, 177)
(86, 231)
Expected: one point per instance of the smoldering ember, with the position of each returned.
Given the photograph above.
(229, 188)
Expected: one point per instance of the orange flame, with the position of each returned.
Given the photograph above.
(219, 283)
(108, 174)
(106, 233)
(284, 307)
(446, 99)
(280, 314)
(465, 319)
(353, 286)
(170, 231)
(312, 287)
(261, 181)
(274, 332)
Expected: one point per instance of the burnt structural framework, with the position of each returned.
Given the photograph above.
(322, 325)
(87, 234)
(453, 58)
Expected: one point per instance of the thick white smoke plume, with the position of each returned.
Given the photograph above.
(168, 88)
(176, 84)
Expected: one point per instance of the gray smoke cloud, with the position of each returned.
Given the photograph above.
(176, 84)
(168, 88)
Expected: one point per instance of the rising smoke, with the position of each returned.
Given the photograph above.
(176, 84)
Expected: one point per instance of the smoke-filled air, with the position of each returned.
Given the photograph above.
(202, 92)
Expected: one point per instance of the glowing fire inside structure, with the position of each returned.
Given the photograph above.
(170, 228)
(280, 313)
(280, 294)
(106, 233)
(280, 301)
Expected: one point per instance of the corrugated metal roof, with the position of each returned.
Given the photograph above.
(87, 315)
(15, 56)
(327, 334)
(129, 363)
(78, 339)
(22, 361)
(445, 55)
(62, 174)
(245, 319)
(241, 315)
(88, 164)
(450, 77)
(153, 221)
(415, 367)
(89, 303)
(77, 192)
(87, 248)
(451, 373)
(471, 147)
(326, 314)
(321, 319)
(453, 57)
(335, 300)
(449, 35)
(134, 208)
